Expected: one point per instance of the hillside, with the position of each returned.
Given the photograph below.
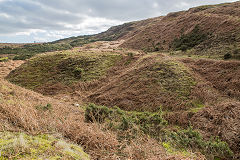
(210, 30)
(59, 128)
(163, 88)
(220, 23)
(217, 33)
(181, 87)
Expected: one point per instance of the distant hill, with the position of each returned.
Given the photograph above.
(205, 30)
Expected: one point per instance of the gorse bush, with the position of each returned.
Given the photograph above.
(78, 72)
(96, 113)
(130, 125)
(190, 40)
(189, 138)
(147, 122)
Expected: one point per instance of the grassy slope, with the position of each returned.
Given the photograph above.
(143, 83)
(28, 112)
(221, 37)
(20, 112)
(130, 82)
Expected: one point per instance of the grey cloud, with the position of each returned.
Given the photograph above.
(82, 16)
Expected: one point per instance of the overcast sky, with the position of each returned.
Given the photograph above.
(48, 20)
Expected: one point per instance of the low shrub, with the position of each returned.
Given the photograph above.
(78, 72)
(189, 138)
(147, 122)
(227, 56)
(190, 40)
(130, 125)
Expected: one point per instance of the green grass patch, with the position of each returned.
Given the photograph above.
(172, 76)
(196, 106)
(23, 146)
(4, 59)
(47, 107)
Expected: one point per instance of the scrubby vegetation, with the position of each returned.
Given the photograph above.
(190, 40)
(29, 50)
(189, 138)
(117, 119)
(23, 146)
(227, 56)
(130, 125)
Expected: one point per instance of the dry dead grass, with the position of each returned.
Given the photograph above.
(221, 120)
(18, 113)
(218, 117)
(222, 76)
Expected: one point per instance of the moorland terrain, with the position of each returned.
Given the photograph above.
(162, 88)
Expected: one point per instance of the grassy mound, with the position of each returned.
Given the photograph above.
(48, 73)
(22, 146)
(149, 83)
